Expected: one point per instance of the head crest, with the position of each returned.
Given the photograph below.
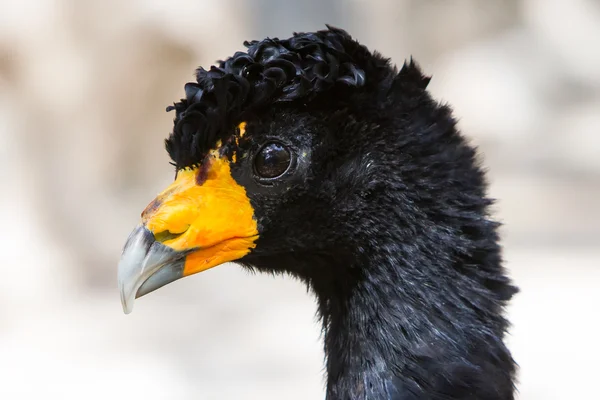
(271, 71)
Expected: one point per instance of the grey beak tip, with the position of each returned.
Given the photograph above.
(145, 266)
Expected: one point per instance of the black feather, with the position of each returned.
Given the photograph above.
(271, 71)
(385, 218)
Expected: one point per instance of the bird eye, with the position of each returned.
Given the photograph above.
(272, 160)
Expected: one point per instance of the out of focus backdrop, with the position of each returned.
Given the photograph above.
(83, 90)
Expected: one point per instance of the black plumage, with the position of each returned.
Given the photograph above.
(272, 71)
(383, 213)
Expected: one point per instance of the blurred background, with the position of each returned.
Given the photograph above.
(83, 88)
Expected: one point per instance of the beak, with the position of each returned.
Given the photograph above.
(202, 220)
(145, 266)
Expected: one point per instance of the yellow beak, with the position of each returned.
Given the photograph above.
(203, 219)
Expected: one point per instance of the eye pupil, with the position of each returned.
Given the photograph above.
(272, 160)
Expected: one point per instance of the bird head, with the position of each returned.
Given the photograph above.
(282, 153)
(315, 157)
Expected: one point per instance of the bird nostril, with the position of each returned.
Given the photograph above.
(168, 235)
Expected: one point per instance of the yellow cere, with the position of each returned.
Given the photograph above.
(242, 129)
(215, 152)
(240, 134)
(215, 217)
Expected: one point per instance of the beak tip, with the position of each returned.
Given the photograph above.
(126, 302)
(145, 266)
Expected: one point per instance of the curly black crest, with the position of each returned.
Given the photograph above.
(272, 71)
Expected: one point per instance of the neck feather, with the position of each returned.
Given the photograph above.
(409, 324)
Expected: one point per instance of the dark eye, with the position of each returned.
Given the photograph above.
(272, 160)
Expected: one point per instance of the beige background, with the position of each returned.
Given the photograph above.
(83, 87)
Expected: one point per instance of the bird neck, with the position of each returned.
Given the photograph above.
(399, 330)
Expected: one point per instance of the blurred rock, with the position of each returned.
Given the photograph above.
(488, 84)
(577, 139)
(572, 30)
(438, 27)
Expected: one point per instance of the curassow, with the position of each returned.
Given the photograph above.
(315, 157)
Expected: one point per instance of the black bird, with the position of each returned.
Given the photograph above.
(315, 157)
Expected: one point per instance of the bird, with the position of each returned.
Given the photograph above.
(315, 157)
